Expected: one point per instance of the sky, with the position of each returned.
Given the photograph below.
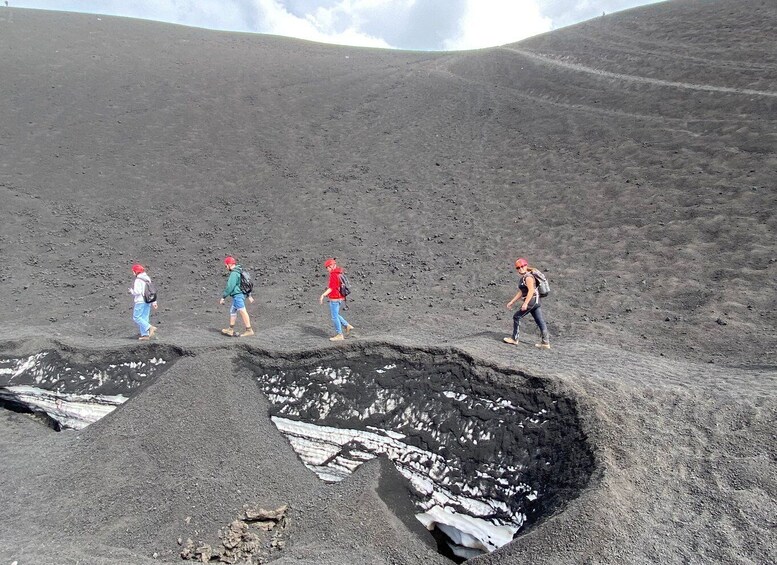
(425, 25)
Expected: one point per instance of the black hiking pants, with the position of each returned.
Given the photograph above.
(536, 311)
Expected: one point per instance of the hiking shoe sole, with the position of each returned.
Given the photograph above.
(542, 345)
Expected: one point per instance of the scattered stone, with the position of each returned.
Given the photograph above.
(243, 542)
(203, 553)
(260, 514)
(188, 550)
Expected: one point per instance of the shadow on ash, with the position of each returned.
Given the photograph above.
(487, 453)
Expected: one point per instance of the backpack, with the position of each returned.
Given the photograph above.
(246, 284)
(345, 286)
(543, 287)
(149, 292)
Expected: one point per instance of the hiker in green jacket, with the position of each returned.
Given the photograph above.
(238, 300)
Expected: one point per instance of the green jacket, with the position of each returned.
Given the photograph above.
(233, 282)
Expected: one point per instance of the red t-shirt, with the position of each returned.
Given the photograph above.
(334, 284)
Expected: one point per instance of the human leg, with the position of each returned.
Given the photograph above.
(540, 320)
(249, 331)
(519, 314)
(334, 311)
(151, 327)
(343, 323)
(237, 304)
(239, 307)
(140, 315)
(517, 317)
(245, 318)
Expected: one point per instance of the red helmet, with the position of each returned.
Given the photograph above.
(328, 263)
(230, 261)
(521, 263)
(137, 269)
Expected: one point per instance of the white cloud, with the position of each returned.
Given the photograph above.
(337, 24)
(210, 14)
(424, 24)
(487, 23)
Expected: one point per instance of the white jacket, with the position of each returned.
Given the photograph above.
(139, 288)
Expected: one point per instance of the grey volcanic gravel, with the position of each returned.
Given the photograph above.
(631, 158)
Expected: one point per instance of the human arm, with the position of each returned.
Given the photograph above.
(515, 299)
(326, 293)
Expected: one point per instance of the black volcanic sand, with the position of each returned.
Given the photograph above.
(632, 157)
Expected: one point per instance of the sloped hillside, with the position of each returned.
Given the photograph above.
(632, 157)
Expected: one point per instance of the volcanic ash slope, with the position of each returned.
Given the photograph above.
(631, 157)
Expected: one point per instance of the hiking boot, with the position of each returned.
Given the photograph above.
(338, 337)
(144, 338)
(247, 332)
(348, 329)
(510, 340)
(542, 345)
(151, 331)
(228, 331)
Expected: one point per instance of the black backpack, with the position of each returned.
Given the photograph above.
(246, 284)
(149, 292)
(345, 286)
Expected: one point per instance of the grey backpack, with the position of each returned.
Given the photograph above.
(542, 282)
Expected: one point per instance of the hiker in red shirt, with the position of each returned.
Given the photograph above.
(335, 300)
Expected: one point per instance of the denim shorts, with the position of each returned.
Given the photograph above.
(238, 303)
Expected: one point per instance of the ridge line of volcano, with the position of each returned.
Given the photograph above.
(544, 59)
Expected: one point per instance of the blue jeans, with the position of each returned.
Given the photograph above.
(536, 312)
(337, 320)
(238, 303)
(141, 315)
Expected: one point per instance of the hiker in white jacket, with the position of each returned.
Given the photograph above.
(141, 313)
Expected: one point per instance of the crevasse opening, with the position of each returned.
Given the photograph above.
(485, 454)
